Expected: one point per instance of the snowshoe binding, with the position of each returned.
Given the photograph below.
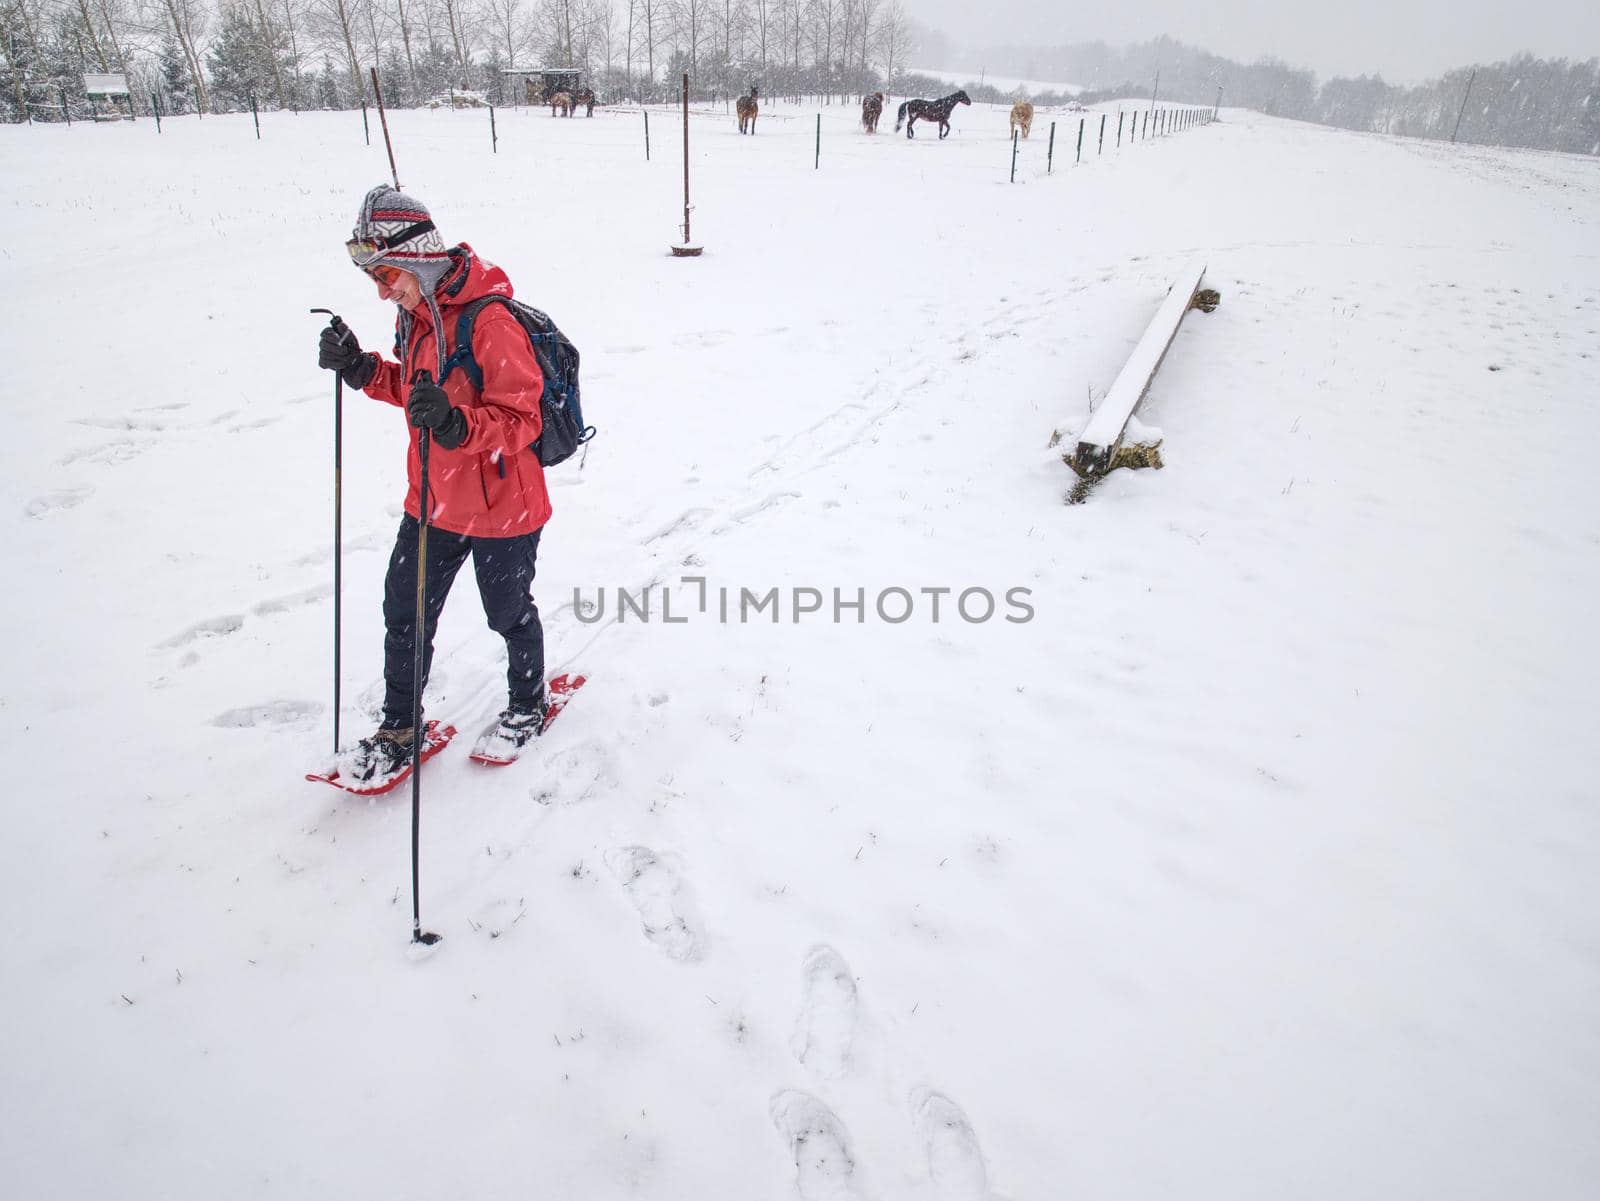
(376, 764)
(503, 742)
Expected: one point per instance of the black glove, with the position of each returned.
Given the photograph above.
(338, 350)
(429, 408)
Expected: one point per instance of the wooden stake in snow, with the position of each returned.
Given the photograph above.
(1101, 441)
(688, 250)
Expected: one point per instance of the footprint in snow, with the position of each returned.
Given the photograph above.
(268, 713)
(658, 893)
(212, 627)
(955, 1162)
(827, 1025)
(824, 1166)
(50, 502)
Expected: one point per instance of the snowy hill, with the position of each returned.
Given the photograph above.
(1026, 87)
(1259, 863)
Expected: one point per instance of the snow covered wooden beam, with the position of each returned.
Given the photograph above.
(1098, 444)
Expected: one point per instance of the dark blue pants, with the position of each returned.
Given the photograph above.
(504, 567)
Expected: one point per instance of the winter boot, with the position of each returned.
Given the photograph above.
(514, 729)
(375, 759)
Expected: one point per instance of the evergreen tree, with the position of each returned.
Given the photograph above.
(175, 80)
(328, 86)
(239, 63)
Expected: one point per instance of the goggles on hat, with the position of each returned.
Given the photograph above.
(364, 251)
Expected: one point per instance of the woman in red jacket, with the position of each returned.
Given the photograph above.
(486, 489)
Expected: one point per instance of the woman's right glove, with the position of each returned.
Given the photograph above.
(338, 350)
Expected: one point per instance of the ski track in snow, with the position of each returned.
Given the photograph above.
(826, 1028)
(818, 1146)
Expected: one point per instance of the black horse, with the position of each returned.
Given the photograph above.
(929, 110)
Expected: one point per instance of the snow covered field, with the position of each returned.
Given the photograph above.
(1260, 863)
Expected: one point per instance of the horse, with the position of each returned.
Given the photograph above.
(913, 111)
(1021, 117)
(562, 101)
(585, 98)
(746, 107)
(871, 110)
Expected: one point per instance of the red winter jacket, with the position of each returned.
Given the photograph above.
(492, 485)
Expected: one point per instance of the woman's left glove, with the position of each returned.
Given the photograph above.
(429, 408)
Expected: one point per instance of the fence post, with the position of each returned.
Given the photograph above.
(494, 136)
(1102, 149)
(818, 163)
(1014, 135)
(1050, 154)
(647, 135)
(67, 112)
(1144, 125)
(1453, 132)
(155, 107)
(1119, 129)
(1081, 120)
(366, 130)
(256, 113)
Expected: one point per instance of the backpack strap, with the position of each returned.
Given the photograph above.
(462, 355)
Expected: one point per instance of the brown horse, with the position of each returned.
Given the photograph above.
(585, 98)
(1021, 117)
(746, 107)
(562, 101)
(871, 110)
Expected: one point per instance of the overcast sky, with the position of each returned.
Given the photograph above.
(1404, 40)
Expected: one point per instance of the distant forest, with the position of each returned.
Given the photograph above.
(1545, 104)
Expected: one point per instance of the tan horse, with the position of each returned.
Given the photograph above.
(871, 110)
(1021, 117)
(746, 107)
(562, 101)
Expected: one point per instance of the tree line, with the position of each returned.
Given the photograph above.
(225, 55)
(1545, 104)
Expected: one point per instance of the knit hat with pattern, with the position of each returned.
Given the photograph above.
(397, 230)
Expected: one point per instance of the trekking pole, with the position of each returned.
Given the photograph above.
(384, 120)
(338, 522)
(418, 734)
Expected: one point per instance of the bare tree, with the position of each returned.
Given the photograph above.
(293, 19)
(405, 39)
(651, 12)
(760, 24)
(894, 40)
(510, 27)
(453, 16)
(269, 43)
(188, 23)
(868, 20)
(338, 19)
(690, 21)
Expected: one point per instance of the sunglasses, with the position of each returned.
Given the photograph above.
(384, 274)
